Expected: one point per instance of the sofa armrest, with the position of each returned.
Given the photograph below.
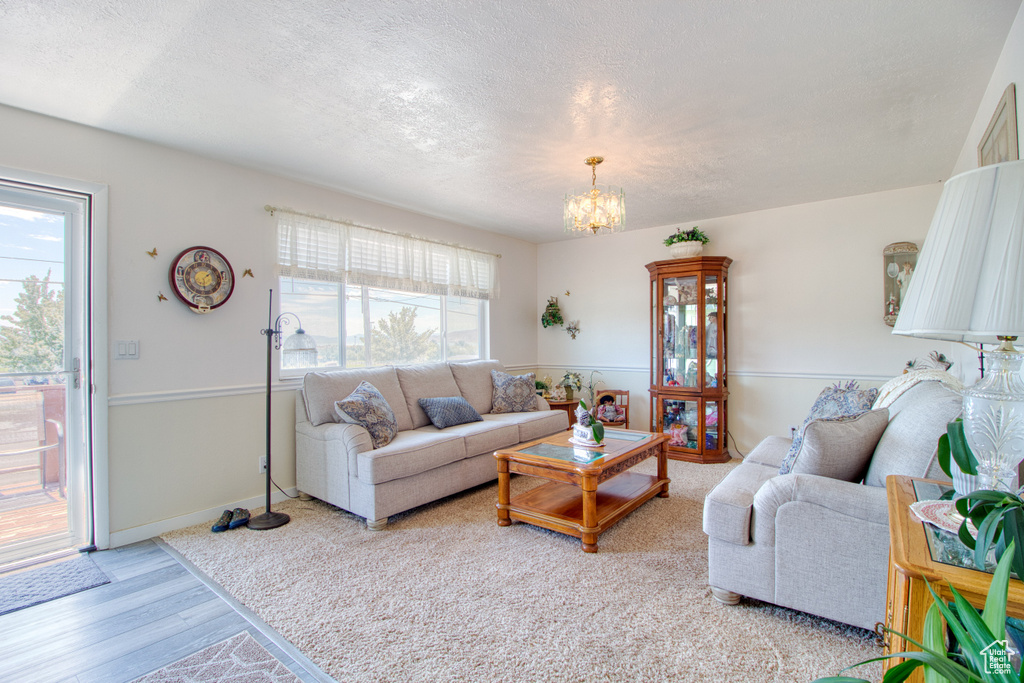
(542, 404)
(855, 501)
(353, 438)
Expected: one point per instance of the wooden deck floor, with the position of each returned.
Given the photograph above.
(26, 515)
(156, 610)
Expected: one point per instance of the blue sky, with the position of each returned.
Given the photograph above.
(31, 243)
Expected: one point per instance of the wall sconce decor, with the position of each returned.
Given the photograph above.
(898, 262)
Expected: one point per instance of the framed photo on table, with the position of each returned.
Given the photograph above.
(999, 143)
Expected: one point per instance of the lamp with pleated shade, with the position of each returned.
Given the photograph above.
(968, 286)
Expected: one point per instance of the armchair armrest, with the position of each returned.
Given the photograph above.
(857, 501)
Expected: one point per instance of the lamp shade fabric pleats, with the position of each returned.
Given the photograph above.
(969, 281)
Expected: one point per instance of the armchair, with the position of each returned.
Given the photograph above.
(817, 543)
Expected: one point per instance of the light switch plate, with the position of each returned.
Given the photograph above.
(126, 349)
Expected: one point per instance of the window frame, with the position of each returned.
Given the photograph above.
(483, 319)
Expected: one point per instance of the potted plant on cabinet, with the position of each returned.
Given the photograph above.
(686, 243)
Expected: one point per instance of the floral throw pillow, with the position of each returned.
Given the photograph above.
(367, 408)
(835, 401)
(513, 393)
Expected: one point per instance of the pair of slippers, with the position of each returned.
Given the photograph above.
(231, 519)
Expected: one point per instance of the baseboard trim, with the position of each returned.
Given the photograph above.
(147, 531)
(592, 368)
(192, 394)
(296, 383)
(828, 376)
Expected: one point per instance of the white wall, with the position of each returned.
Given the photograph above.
(186, 419)
(805, 304)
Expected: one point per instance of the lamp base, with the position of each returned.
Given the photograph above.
(269, 520)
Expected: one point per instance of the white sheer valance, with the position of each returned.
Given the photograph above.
(319, 248)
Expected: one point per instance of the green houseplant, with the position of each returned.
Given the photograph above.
(978, 658)
(997, 515)
(686, 243)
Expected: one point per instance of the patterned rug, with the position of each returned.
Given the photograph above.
(238, 659)
(35, 586)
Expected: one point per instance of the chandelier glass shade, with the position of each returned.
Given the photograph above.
(601, 207)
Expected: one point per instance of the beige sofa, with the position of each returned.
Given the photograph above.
(813, 543)
(337, 463)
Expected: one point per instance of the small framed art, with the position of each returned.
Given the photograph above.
(898, 262)
(999, 143)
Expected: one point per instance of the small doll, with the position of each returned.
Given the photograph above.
(677, 435)
(607, 411)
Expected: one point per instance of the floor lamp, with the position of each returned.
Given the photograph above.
(299, 351)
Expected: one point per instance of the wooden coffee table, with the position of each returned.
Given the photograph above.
(582, 498)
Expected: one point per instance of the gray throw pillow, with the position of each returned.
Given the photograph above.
(834, 401)
(449, 411)
(840, 447)
(367, 408)
(513, 393)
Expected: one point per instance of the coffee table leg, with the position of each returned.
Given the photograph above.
(663, 470)
(589, 540)
(503, 494)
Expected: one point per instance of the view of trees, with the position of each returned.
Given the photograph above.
(32, 340)
(395, 340)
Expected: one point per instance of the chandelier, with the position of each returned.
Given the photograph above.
(602, 206)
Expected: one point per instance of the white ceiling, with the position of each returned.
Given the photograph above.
(482, 111)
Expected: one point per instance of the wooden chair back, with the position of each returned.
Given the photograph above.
(621, 398)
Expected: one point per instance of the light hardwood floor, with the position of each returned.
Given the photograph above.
(156, 610)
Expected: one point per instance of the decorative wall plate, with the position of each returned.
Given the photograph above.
(202, 278)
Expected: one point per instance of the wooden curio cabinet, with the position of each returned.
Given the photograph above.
(688, 369)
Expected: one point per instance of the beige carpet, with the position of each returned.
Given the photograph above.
(445, 594)
(239, 659)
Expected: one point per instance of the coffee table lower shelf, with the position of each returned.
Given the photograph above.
(559, 507)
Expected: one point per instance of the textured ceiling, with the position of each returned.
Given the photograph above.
(482, 112)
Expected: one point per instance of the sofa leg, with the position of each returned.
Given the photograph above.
(725, 597)
(304, 496)
(376, 524)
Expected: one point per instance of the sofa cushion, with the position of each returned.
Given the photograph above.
(513, 393)
(321, 389)
(482, 437)
(533, 425)
(367, 408)
(411, 453)
(728, 508)
(908, 445)
(840, 447)
(429, 380)
(770, 451)
(474, 380)
(834, 401)
(449, 411)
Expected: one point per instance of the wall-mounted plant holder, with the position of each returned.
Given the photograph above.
(898, 262)
(552, 315)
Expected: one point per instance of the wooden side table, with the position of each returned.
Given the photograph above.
(913, 558)
(568, 406)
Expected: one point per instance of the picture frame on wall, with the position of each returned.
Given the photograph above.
(999, 143)
(898, 262)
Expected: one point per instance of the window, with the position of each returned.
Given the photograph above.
(403, 327)
(370, 298)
